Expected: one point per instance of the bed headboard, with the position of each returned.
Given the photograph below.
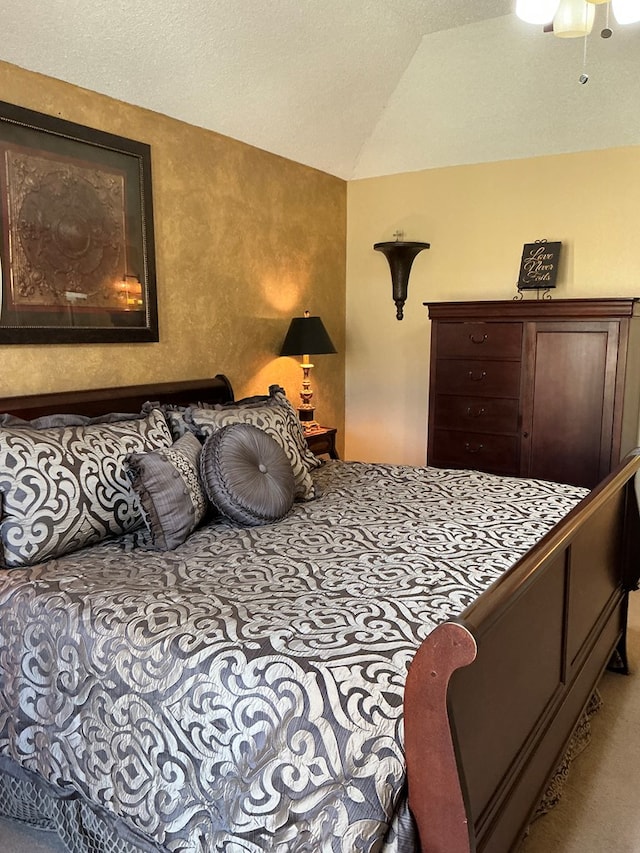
(101, 401)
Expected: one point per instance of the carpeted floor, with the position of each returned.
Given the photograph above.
(599, 808)
(15, 838)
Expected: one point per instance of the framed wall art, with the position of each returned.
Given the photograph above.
(77, 251)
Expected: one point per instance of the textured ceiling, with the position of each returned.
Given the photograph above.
(355, 88)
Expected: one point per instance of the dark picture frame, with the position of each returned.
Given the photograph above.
(77, 254)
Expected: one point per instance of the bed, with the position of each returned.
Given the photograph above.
(395, 664)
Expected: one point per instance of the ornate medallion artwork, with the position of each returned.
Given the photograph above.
(67, 234)
(77, 258)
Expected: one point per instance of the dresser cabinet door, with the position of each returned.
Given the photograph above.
(568, 401)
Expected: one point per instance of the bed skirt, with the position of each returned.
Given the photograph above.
(81, 826)
(580, 739)
(86, 828)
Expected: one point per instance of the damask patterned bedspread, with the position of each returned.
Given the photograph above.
(244, 692)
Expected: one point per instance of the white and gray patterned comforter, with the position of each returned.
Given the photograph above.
(244, 692)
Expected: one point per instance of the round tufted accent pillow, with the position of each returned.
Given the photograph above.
(247, 475)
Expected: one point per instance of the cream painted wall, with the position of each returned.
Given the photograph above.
(477, 219)
(244, 241)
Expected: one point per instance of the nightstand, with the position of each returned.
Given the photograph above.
(323, 440)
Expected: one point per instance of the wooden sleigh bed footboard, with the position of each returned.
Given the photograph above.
(493, 698)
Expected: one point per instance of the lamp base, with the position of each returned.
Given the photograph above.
(307, 419)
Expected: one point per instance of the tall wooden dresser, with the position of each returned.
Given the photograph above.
(536, 388)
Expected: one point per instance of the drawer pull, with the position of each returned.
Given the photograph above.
(475, 340)
(475, 378)
(475, 449)
(475, 414)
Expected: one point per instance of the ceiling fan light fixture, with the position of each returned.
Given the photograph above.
(536, 11)
(626, 11)
(574, 19)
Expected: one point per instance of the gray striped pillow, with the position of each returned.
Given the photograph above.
(168, 485)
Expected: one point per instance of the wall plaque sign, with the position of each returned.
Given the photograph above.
(539, 265)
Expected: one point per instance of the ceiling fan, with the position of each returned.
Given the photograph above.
(574, 18)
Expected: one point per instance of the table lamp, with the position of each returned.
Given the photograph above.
(307, 336)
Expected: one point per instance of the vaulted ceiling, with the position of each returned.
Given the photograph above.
(356, 88)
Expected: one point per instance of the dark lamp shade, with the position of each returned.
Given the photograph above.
(307, 336)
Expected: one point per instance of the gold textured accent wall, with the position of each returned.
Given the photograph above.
(244, 241)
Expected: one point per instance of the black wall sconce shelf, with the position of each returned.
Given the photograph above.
(400, 255)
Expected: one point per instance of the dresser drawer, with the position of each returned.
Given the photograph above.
(497, 454)
(478, 378)
(479, 340)
(480, 414)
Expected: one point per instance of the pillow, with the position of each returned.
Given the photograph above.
(271, 419)
(168, 486)
(62, 420)
(174, 413)
(275, 416)
(247, 475)
(277, 397)
(175, 419)
(66, 487)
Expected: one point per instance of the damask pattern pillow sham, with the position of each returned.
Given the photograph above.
(278, 397)
(64, 488)
(273, 419)
(174, 413)
(168, 485)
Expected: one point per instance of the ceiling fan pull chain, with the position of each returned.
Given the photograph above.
(584, 77)
(606, 32)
